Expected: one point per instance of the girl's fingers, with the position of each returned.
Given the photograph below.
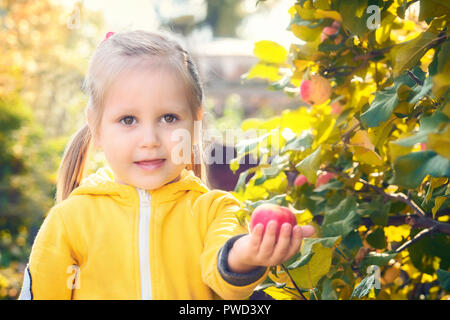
(307, 231)
(268, 241)
(297, 237)
(283, 244)
(256, 237)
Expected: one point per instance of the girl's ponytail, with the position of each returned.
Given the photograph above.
(71, 169)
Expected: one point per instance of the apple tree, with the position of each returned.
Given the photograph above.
(366, 158)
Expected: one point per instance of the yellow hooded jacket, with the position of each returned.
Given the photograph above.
(113, 241)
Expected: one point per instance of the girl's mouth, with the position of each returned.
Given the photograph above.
(150, 165)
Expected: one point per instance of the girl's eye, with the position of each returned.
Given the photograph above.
(172, 118)
(126, 120)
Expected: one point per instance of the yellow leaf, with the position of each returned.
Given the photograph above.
(361, 139)
(305, 217)
(305, 13)
(270, 51)
(397, 233)
(250, 123)
(391, 189)
(306, 33)
(440, 142)
(325, 128)
(437, 204)
(263, 71)
(328, 14)
(281, 294)
(396, 150)
(297, 120)
(358, 186)
(277, 184)
(382, 33)
(367, 156)
(319, 266)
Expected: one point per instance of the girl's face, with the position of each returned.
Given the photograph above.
(145, 114)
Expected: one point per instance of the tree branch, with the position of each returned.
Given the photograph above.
(392, 196)
(293, 282)
(420, 235)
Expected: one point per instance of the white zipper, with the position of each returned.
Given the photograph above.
(144, 238)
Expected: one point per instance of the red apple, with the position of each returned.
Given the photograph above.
(301, 180)
(423, 146)
(330, 31)
(336, 107)
(324, 177)
(317, 90)
(267, 212)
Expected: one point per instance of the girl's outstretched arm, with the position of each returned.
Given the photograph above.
(223, 230)
(255, 250)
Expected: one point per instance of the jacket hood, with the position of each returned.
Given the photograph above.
(103, 183)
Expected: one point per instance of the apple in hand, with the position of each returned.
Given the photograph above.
(267, 212)
(316, 90)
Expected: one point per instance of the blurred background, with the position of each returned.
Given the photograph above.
(44, 50)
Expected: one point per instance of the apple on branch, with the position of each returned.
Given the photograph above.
(315, 90)
(324, 177)
(301, 180)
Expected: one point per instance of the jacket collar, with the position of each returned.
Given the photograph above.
(102, 182)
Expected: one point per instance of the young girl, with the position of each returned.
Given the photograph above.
(146, 226)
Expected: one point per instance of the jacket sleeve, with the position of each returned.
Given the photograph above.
(223, 230)
(51, 269)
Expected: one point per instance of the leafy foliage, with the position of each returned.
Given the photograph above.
(383, 134)
(41, 65)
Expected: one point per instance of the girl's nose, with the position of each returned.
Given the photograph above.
(150, 138)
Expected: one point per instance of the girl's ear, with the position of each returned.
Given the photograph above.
(95, 139)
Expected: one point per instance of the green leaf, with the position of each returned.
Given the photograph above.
(377, 239)
(428, 125)
(319, 264)
(380, 109)
(280, 84)
(245, 146)
(408, 54)
(241, 181)
(354, 16)
(385, 101)
(411, 169)
(310, 165)
(300, 143)
(364, 287)
(444, 278)
(341, 220)
(278, 164)
(433, 8)
(328, 292)
(430, 253)
(422, 90)
(278, 199)
(333, 185)
(304, 259)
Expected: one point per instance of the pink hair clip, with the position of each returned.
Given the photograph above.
(109, 34)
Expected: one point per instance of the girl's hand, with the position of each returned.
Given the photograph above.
(254, 250)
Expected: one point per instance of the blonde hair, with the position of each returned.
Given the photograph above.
(112, 56)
